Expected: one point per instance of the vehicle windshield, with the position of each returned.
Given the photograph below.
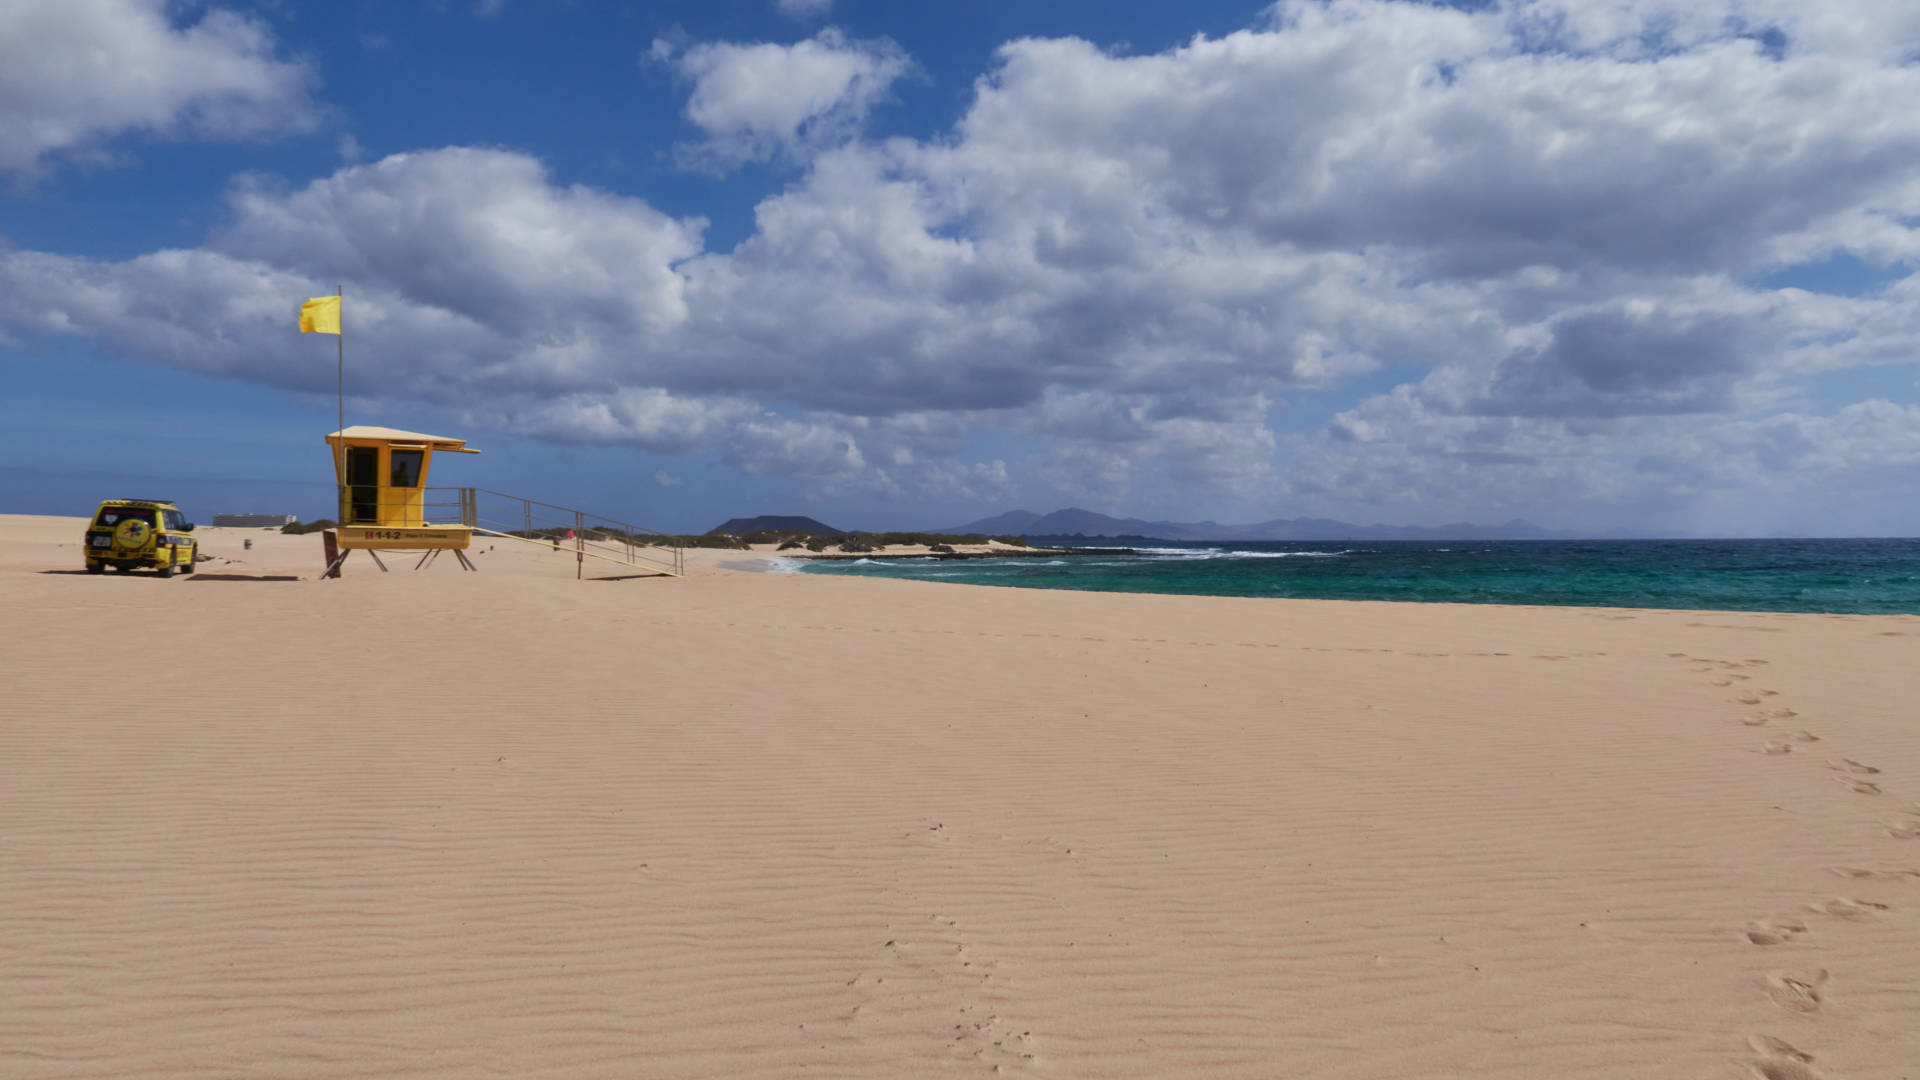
(114, 515)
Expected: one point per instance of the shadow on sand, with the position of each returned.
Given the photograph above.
(200, 576)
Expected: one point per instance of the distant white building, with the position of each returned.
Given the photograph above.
(252, 521)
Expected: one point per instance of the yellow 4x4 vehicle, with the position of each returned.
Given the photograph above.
(127, 533)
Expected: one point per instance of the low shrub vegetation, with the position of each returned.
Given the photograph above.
(702, 540)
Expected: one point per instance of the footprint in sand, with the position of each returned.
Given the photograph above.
(1904, 830)
(1781, 1060)
(1777, 746)
(1859, 787)
(1848, 908)
(1797, 993)
(1860, 873)
(1773, 933)
(1778, 1069)
(1803, 736)
(1847, 764)
(1768, 1046)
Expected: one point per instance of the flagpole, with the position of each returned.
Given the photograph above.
(340, 398)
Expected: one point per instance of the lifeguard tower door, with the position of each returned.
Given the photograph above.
(363, 492)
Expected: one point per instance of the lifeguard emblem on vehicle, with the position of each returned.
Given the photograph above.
(131, 533)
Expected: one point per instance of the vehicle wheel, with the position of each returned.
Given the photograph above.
(167, 570)
(192, 558)
(94, 567)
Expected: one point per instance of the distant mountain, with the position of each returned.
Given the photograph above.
(1074, 523)
(1008, 524)
(741, 526)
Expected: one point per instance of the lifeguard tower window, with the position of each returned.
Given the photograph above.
(363, 470)
(404, 468)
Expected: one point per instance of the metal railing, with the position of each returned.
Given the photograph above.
(588, 536)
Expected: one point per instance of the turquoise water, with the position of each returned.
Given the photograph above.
(1854, 576)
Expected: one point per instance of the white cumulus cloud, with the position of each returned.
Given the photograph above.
(77, 74)
(1553, 221)
(756, 102)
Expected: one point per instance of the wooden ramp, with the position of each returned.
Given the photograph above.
(587, 535)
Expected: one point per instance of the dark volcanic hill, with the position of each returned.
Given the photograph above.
(774, 523)
(1011, 523)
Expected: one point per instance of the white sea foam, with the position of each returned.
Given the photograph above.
(1119, 557)
(1190, 554)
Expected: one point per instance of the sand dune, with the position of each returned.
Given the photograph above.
(775, 825)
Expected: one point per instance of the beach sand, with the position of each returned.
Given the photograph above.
(508, 823)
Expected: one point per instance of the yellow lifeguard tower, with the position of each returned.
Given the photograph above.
(382, 477)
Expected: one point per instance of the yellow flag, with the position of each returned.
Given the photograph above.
(320, 315)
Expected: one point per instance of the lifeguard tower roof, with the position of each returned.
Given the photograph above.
(398, 437)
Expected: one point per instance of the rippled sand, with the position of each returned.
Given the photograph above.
(770, 825)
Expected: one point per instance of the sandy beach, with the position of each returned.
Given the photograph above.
(740, 824)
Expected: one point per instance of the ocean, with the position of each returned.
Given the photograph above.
(1853, 576)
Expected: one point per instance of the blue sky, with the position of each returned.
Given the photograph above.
(1642, 265)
